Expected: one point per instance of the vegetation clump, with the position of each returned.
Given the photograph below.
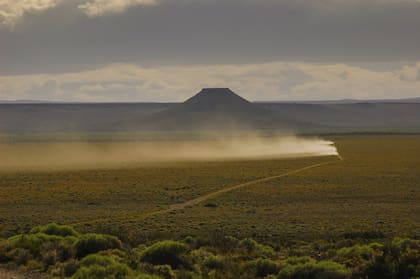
(62, 252)
(166, 252)
(100, 266)
(55, 229)
(92, 243)
(309, 268)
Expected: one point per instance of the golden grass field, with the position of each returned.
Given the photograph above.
(376, 188)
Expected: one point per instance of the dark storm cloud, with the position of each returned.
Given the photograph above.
(175, 32)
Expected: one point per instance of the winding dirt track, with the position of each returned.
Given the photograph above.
(206, 197)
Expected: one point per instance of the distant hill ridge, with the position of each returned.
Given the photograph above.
(211, 108)
(219, 109)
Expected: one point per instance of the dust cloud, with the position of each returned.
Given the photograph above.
(19, 156)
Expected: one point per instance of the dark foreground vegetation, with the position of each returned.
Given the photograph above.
(60, 251)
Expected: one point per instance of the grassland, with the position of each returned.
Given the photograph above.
(375, 189)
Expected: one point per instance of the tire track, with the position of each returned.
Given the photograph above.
(208, 196)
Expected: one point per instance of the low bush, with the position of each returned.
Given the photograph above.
(19, 256)
(214, 262)
(255, 249)
(32, 243)
(165, 253)
(99, 266)
(400, 259)
(92, 243)
(264, 267)
(164, 271)
(55, 229)
(307, 268)
(62, 253)
(359, 257)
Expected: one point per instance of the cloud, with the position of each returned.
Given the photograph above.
(410, 73)
(11, 11)
(102, 7)
(180, 32)
(269, 81)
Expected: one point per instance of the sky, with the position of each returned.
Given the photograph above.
(167, 50)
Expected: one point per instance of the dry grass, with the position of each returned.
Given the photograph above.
(376, 188)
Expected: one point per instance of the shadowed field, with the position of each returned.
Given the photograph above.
(374, 189)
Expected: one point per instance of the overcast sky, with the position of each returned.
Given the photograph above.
(166, 50)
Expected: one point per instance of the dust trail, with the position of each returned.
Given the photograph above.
(91, 155)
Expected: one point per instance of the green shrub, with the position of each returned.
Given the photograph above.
(32, 243)
(48, 249)
(258, 268)
(165, 271)
(190, 241)
(49, 257)
(248, 244)
(313, 270)
(199, 255)
(4, 250)
(298, 260)
(55, 229)
(264, 267)
(98, 266)
(214, 262)
(96, 259)
(70, 268)
(400, 259)
(20, 256)
(230, 243)
(165, 253)
(34, 265)
(358, 255)
(256, 250)
(93, 243)
(92, 272)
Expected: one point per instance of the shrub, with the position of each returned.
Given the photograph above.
(230, 243)
(165, 271)
(55, 229)
(258, 268)
(191, 241)
(214, 262)
(4, 249)
(96, 259)
(70, 268)
(309, 269)
(248, 244)
(98, 266)
(254, 249)
(199, 255)
(34, 265)
(100, 272)
(49, 257)
(48, 249)
(264, 267)
(165, 253)
(32, 243)
(20, 256)
(359, 255)
(298, 260)
(400, 259)
(92, 243)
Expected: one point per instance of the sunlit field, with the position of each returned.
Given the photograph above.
(373, 189)
(352, 215)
